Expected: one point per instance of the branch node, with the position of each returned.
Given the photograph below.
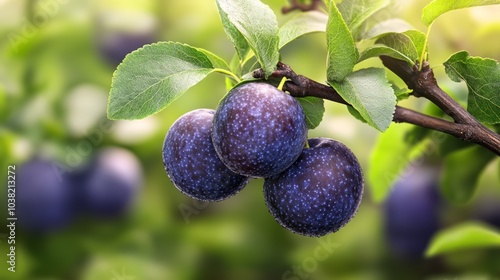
(421, 80)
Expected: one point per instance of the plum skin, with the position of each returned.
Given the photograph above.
(191, 162)
(258, 130)
(43, 198)
(412, 211)
(320, 192)
(110, 183)
(114, 47)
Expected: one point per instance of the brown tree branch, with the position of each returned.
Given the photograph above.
(471, 130)
(424, 84)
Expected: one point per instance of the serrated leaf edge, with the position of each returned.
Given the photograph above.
(110, 95)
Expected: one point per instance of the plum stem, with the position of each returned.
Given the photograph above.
(282, 83)
(423, 84)
(228, 73)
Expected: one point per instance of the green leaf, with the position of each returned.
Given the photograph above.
(369, 92)
(418, 39)
(390, 156)
(406, 45)
(393, 25)
(314, 108)
(234, 35)
(355, 114)
(355, 12)
(257, 23)
(301, 24)
(461, 173)
(402, 43)
(482, 76)
(378, 50)
(461, 237)
(438, 7)
(153, 76)
(401, 93)
(342, 53)
(217, 62)
(235, 65)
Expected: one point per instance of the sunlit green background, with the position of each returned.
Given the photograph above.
(54, 83)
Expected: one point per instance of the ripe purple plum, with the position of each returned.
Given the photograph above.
(191, 162)
(320, 192)
(111, 183)
(258, 130)
(412, 211)
(43, 196)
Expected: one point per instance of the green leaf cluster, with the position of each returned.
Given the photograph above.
(152, 77)
(366, 90)
(401, 144)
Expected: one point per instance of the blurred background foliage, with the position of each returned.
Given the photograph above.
(57, 58)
